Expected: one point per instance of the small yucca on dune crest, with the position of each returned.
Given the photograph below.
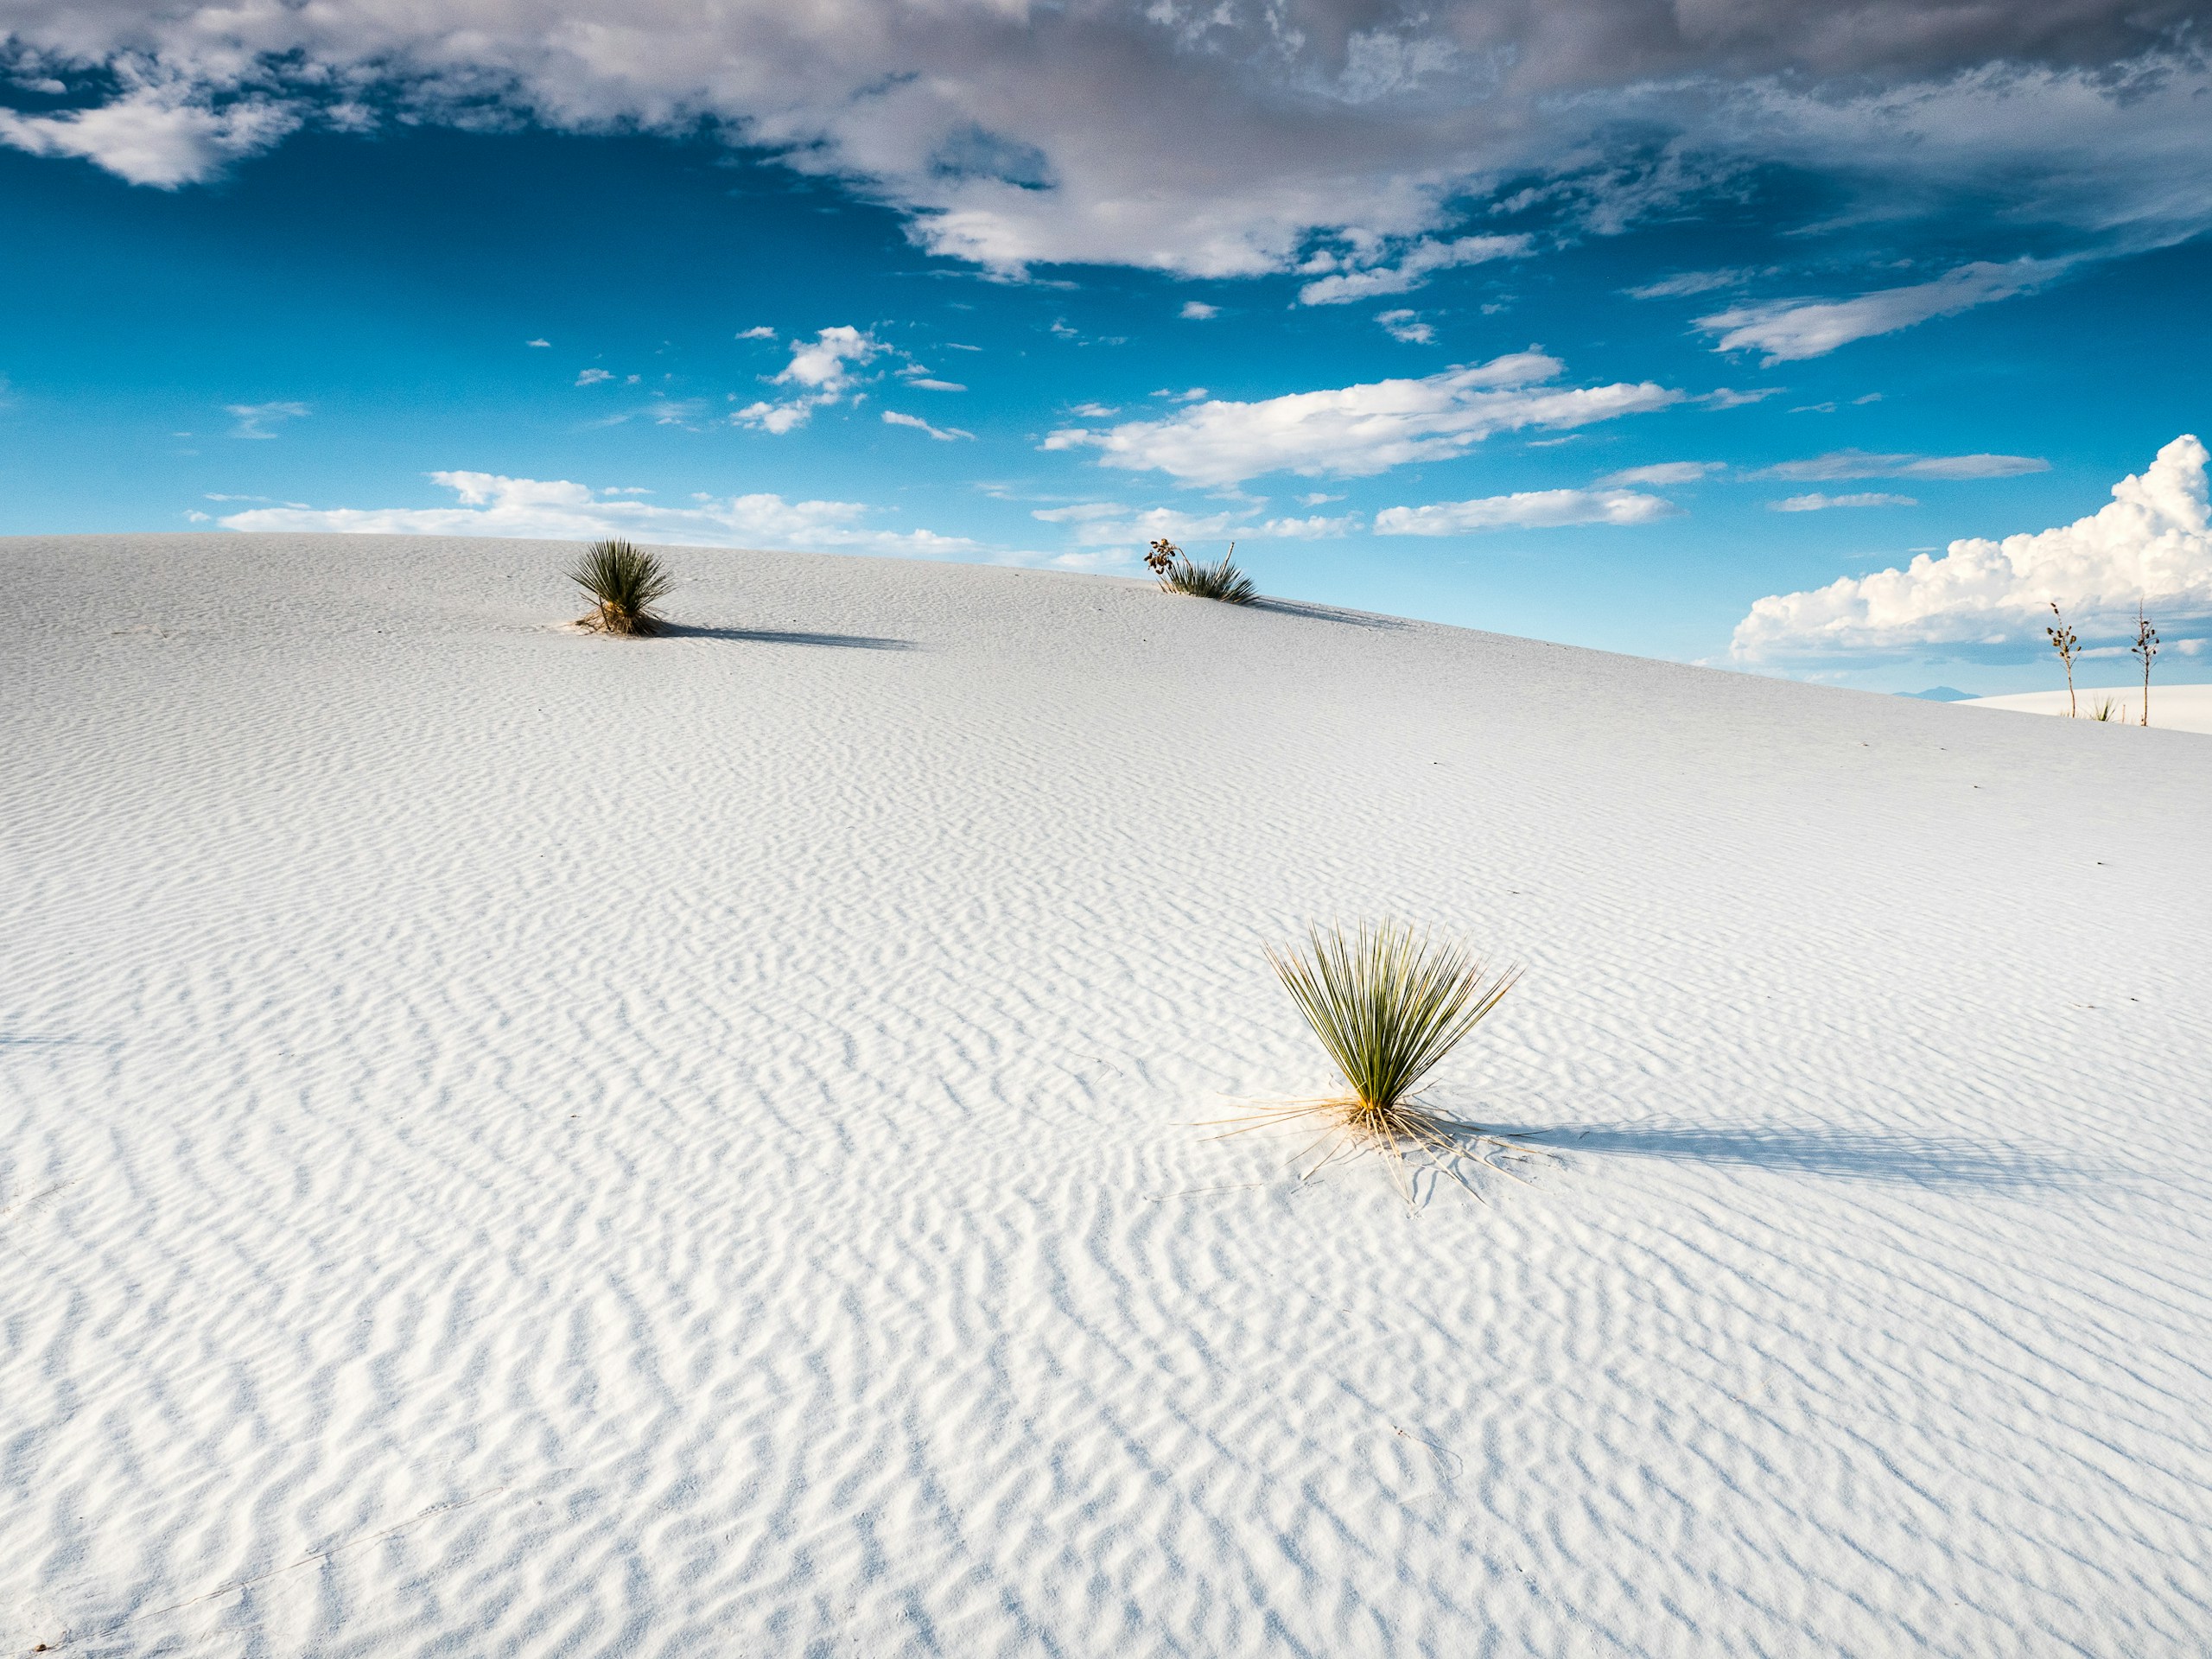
(1180, 573)
(1388, 1004)
(622, 580)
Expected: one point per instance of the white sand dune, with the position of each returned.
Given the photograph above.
(519, 1143)
(2176, 707)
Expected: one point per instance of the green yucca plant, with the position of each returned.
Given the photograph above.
(1180, 573)
(622, 581)
(1388, 1004)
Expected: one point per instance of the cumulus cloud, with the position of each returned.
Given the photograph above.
(556, 510)
(2151, 544)
(1525, 510)
(1787, 330)
(1415, 265)
(1216, 139)
(1355, 431)
(1816, 502)
(256, 420)
(164, 135)
(593, 376)
(823, 370)
(1859, 463)
(1406, 325)
(1199, 311)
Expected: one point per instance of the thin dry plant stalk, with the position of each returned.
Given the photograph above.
(1389, 1005)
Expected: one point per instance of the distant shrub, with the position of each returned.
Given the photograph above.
(2144, 648)
(1388, 1004)
(1180, 573)
(622, 581)
(2068, 647)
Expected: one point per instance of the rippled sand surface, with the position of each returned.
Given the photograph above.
(513, 1142)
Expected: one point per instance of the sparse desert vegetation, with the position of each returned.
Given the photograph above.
(1180, 573)
(1388, 1004)
(624, 583)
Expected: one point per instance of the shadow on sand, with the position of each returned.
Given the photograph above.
(778, 637)
(1844, 1154)
(1328, 613)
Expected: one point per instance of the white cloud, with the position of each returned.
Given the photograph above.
(1727, 398)
(762, 332)
(1199, 311)
(1691, 282)
(1666, 472)
(1525, 510)
(593, 376)
(1214, 138)
(1362, 280)
(546, 343)
(1818, 502)
(2151, 544)
(926, 382)
(1109, 523)
(557, 510)
(823, 367)
(1406, 325)
(255, 420)
(1362, 429)
(163, 135)
(1858, 463)
(1787, 330)
(944, 435)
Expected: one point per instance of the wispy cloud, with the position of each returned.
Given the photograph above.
(1818, 502)
(1525, 510)
(1360, 280)
(942, 434)
(1361, 430)
(1691, 282)
(1199, 311)
(1859, 463)
(1109, 523)
(491, 505)
(1665, 473)
(1787, 330)
(2151, 545)
(258, 420)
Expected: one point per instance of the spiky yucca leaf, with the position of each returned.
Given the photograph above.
(623, 580)
(1387, 1004)
(1224, 581)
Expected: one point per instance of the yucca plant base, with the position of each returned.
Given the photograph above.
(1388, 1006)
(623, 582)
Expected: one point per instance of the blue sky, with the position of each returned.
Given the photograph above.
(1649, 381)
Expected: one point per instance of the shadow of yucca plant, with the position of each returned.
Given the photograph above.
(1388, 1004)
(622, 580)
(1180, 573)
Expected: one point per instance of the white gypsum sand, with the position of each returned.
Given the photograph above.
(518, 1142)
(2176, 707)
